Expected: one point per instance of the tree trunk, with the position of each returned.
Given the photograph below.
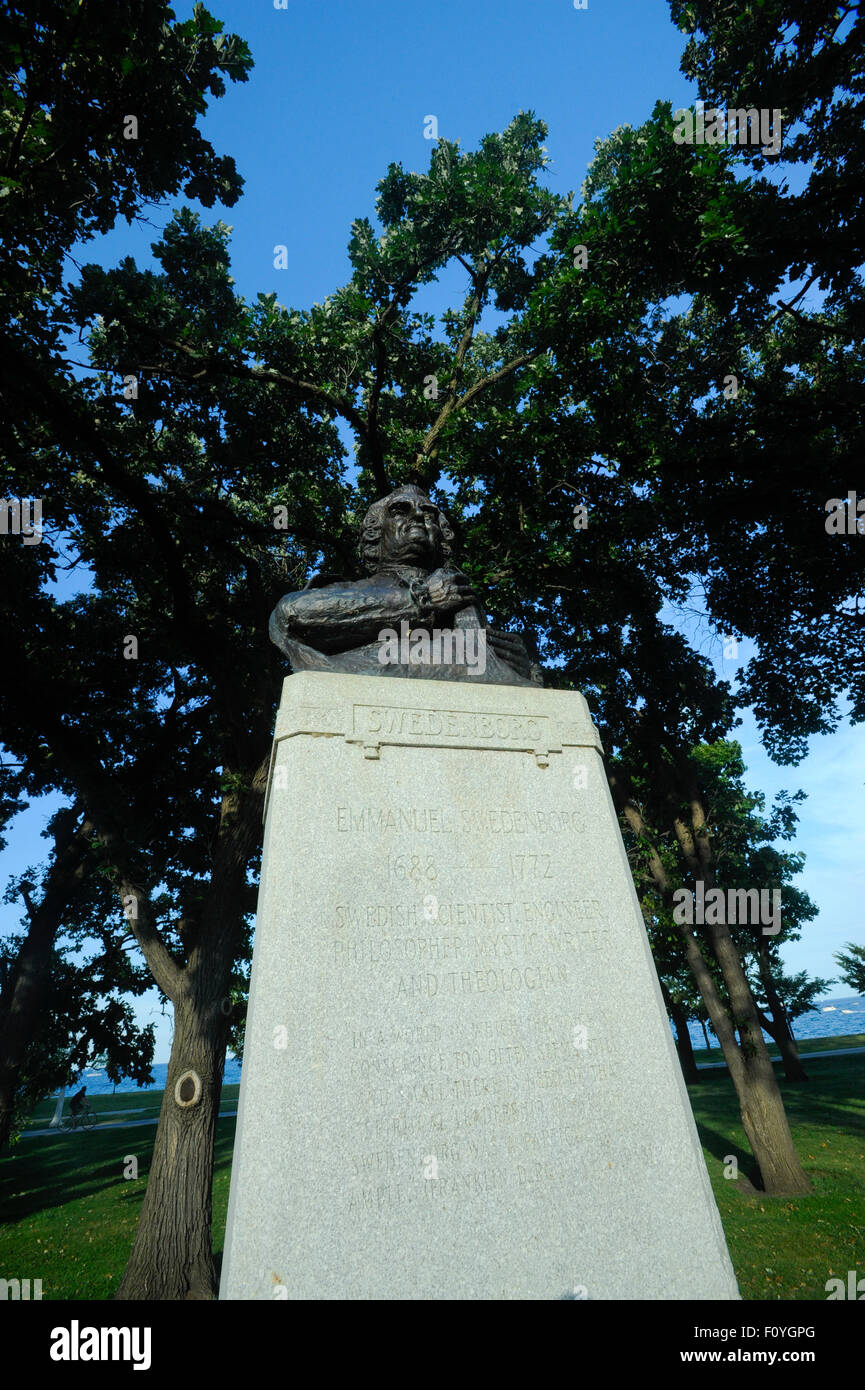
(57, 1117)
(172, 1255)
(778, 1026)
(683, 1043)
(762, 1108)
(705, 1035)
(22, 1010)
(793, 1068)
(22, 1002)
(763, 1115)
(683, 1038)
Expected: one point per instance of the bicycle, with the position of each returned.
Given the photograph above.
(85, 1119)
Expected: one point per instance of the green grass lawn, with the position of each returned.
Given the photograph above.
(69, 1214)
(788, 1247)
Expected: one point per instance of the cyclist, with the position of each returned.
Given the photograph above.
(76, 1104)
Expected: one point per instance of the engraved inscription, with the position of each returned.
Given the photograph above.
(527, 866)
(453, 726)
(488, 1091)
(403, 916)
(446, 820)
(412, 868)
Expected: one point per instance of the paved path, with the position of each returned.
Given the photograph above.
(804, 1057)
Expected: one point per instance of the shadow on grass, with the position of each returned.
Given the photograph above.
(832, 1096)
(832, 1099)
(134, 1194)
(722, 1148)
(44, 1173)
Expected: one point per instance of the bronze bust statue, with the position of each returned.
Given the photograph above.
(415, 615)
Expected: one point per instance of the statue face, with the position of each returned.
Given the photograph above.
(410, 533)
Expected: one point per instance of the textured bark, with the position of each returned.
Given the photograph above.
(786, 1043)
(763, 1115)
(23, 999)
(762, 1108)
(172, 1255)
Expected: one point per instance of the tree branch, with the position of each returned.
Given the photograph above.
(214, 367)
(432, 435)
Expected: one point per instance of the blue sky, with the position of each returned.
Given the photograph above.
(340, 89)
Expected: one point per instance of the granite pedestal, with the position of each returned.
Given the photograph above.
(459, 1081)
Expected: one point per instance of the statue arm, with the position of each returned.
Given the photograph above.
(341, 616)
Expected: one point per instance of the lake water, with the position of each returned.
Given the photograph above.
(830, 1019)
(98, 1084)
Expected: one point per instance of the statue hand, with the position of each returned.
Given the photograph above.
(450, 590)
(511, 648)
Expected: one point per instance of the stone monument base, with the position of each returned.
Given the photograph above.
(459, 1081)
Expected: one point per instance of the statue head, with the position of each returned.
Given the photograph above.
(405, 528)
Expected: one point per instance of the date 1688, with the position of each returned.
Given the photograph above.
(416, 868)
